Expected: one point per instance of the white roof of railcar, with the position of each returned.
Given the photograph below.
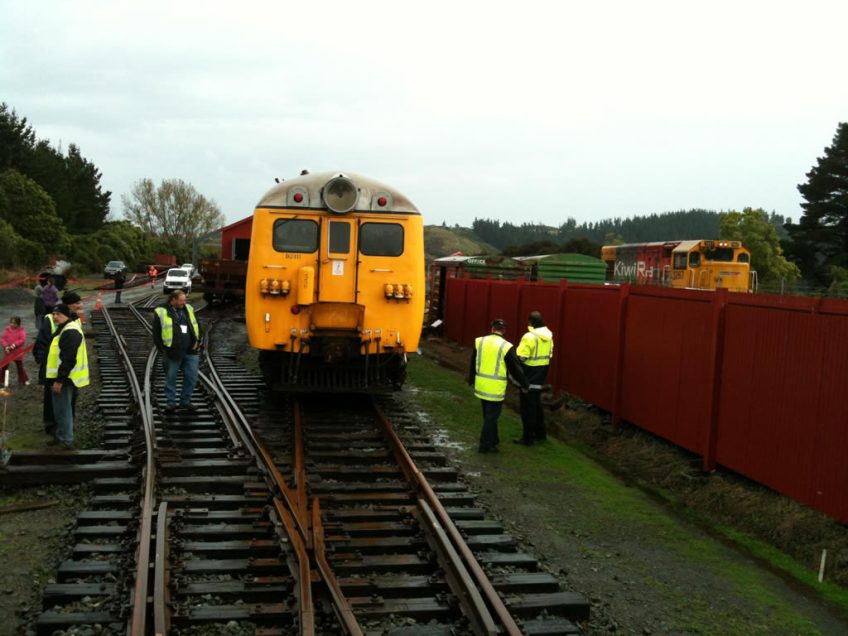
(313, 184)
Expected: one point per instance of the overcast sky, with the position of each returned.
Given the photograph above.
(520, 111)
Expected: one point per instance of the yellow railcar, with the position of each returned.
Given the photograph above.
(334, 296)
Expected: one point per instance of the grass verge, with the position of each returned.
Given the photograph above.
(605, 502)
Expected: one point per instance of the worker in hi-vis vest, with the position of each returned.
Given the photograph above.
(493, 362)
(66, 370)
(534, 352)
(176, 334)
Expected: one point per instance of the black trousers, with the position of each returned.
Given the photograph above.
(47, 408)
(532, 416)
(489, 435)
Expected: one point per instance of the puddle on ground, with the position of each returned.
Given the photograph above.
(441, 439)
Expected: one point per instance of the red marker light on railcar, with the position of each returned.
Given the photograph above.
(295, 309)
(381, 202)
(298, 197)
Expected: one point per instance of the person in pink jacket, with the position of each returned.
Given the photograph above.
(14, 338)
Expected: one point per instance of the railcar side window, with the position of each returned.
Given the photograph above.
(694, 259)
(680, 261)
(743, 258)
(381, 239)
(295, 235)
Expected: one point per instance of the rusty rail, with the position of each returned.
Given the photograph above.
(161, 616)
(138, 622)
(478, 606)
(292, 509)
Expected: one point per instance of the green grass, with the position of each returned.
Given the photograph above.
(786, 564)
(450, 403)
(27, 440)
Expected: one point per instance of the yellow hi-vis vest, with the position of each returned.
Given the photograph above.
(168, 324)
(490, 372)
(79, 374)
(533, 351)
(53, 325)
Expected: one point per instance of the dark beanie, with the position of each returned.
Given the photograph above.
(62, 308)
(70, 298)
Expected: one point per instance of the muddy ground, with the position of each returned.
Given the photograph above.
(33, 542)
(635, 586)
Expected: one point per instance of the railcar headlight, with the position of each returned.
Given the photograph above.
(390, 290)
(263, 286)
(275, 287)
(285, 287)
(407, 291)
(399, 292)
(340, 194)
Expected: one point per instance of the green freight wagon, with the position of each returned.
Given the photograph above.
(576, 268)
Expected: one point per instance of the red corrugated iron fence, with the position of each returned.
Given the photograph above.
(754, 383)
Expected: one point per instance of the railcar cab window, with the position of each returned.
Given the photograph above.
(694, 259)
(295, 235)
(743, 258)
(721, 255)
(680, 261)
(339, 239)
(381, 239)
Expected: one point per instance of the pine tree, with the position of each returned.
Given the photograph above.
(17, 138)
(89, 204)
(820, 239)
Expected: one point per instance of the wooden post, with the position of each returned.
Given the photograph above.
(559, 361)
(714, 378)
(517, 318)
(618, 378)
(463, 337)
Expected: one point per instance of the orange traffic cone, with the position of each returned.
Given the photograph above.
(98, 304)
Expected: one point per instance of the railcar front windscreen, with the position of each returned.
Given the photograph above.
(381, 239)
(295, 235)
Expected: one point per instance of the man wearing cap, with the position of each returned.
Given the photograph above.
(492, 362)
(177, 336)
(39, 352)
(534, 352)
(67, 371)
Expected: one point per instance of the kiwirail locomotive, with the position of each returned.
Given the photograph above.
(691, 264)
(334, 295)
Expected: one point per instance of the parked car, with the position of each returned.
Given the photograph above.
(189, 268)
(177, 278)
(113, 267)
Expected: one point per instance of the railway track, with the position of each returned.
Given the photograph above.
(256, 514)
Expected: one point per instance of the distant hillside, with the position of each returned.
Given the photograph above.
(443, 241)
(668, 226)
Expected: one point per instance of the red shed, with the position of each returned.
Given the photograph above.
(235, 240)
